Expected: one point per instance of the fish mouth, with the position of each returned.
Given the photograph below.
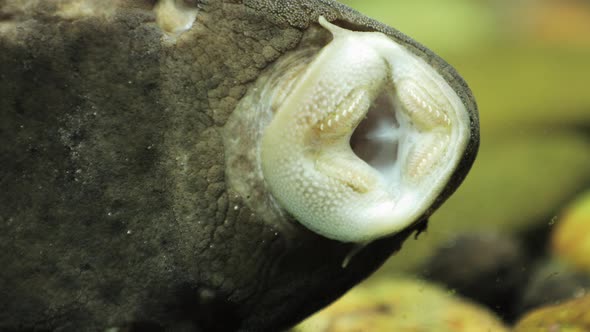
(365, 141)
(356, 141)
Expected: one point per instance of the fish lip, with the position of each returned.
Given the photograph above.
(335, 195)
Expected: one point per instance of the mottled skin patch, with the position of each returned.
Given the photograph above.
(114, 208)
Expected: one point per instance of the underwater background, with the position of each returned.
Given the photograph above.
(515, 237)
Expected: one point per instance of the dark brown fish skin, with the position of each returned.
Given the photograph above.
(114, 209)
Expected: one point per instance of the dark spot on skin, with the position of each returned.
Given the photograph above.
(150, 87)
(33, 149)
(164, 242)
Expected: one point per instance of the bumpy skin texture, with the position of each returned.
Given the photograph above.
(114, 208)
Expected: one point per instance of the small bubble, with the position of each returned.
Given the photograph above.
(236, 207)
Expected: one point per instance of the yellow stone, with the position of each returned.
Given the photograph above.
(572, 316)
(402, 305)
(571, 237)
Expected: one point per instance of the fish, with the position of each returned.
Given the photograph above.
(212, 165)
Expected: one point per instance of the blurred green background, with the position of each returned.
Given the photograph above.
(528, 64)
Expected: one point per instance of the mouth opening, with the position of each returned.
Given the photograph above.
(377, 137)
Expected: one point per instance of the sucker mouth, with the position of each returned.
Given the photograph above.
(365, 140)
